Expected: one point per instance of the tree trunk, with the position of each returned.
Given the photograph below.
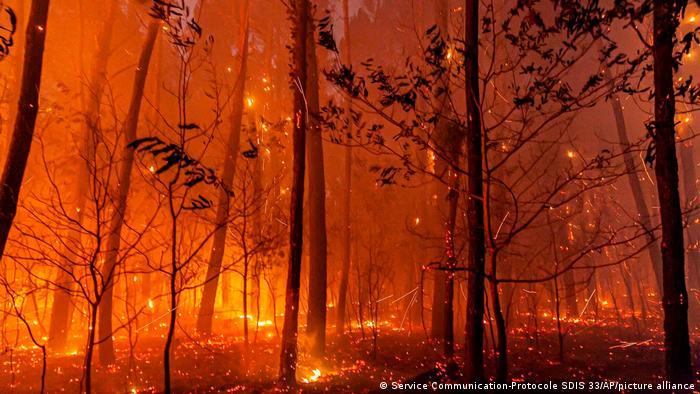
(60, 320)
(448, 302)
(27, 109)
(637, 193)
(106, 347)
(439, 328)
(288, 354)
(347, 202)
(206, 310)
(316, 319)
(89, 350)
(62, 308)
(502, 345)
(675, 296)
(570, 294)
(474, 341)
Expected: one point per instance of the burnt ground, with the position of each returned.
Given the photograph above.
(593, 352)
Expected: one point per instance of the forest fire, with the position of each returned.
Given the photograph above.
(349, 195)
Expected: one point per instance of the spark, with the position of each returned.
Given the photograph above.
(410, 304)
(587, 302)
(624, 344)
(385, 298)
(155, 320)
(501, 225)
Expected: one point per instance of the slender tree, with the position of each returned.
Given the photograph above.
(474, 359)
(62, 308)
(218, 247)
(675, 297)
(106, 348)
(347, 200)
(438, 326)
(27, 109)
(635, 186)
(316, 319)
(299, 15)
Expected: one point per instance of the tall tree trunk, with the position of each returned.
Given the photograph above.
(106, 348)
(347, 201)
(316, 319)
(675, 296)
(474, 342)
(637, 193)
(62, 307)
(443, 130)
(27, 109)
(218, 246)
(288, 354)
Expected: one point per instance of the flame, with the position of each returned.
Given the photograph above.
(316, 373)
(263, 323)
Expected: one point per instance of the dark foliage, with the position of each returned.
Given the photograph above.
(173, 157)
(8, 27)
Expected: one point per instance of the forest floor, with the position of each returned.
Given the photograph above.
(593, 352)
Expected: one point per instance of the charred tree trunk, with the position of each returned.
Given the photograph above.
(347, 202)
(637, 193)
(288, 354)
(675, 296)
(316, 320)
(27, 109)
(206, 310)
(474, 342)
(106, 348)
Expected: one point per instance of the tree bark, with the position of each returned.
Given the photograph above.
(316, 319)
(27, 109)
(206, 310)
(106, 348)
(675, 296)
(474, 342)
(288, 354)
